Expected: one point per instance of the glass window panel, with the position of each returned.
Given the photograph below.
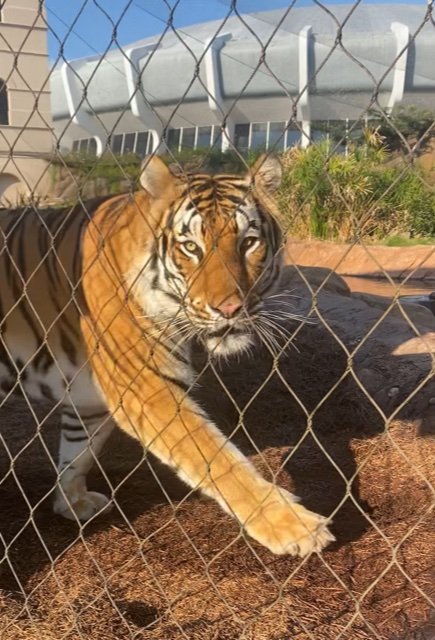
(142, 143)
(320, 130)
(173, 138)
(276, 136)
(217, 137)
(92, 147)
(188, 139)
(75, 146)
(293, 138)
(4, 106)
(258, 135)
(129, 143)
(241, 137)
(117, 143)
(83, 145)
(204, 137)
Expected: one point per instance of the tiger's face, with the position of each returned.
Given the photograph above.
(216, 256)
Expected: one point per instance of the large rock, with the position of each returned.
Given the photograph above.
(361, 260)
(390, 344)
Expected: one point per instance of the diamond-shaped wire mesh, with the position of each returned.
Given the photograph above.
(210, 317)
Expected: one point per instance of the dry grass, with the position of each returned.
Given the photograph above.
(160, 571)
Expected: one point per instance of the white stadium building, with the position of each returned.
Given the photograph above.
(258, 80)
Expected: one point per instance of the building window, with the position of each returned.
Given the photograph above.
(92, 147)
(258, 136)
(173, 139)
(216, 138)
(85, 145)
(276, 136)
(319, 132)
(293, 138)
(188, 138)
(116, 145)
(4, 106)
(204, 137)
(129, 140)
(266, 135)
(241, 137)
(142, 143)
(122, 143)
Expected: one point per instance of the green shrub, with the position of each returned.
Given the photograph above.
(333, 196)
(323, 195)
(405, 126)
(119, 172)
(416, 202)
(115, 171)
(212, 160)
(402, 241)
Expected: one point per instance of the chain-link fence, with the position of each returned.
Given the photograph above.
(282, 309)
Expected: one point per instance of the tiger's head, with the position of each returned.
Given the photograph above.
(215, 253)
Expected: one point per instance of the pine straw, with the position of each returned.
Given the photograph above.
(160, 572)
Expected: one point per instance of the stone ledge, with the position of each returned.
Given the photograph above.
(417, 262)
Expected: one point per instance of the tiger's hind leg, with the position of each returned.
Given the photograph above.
(82, 437)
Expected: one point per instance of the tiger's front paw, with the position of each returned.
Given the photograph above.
(81, 507)
(286, 527)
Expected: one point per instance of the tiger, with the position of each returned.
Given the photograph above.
(100, 305)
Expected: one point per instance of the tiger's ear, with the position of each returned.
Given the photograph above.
(156, 178)
(266, 173)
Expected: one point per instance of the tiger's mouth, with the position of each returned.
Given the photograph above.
(228, 339)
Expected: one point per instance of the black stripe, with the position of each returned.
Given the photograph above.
(68, 347)
(145, 365)
(170, 348)
(21, 254)
(16, 284)
(42, 359)
(170, 295)
(175, 352)
(74, 438)
(5, 359)
(8, 385)
(235, 199)
(77, 260)
(73, 427)
(175, 381)
(152, 261)
(46, 391)
(89, 416)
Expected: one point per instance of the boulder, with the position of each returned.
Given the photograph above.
(390, 344)
(365, 260)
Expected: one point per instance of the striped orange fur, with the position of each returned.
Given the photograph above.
(181, 258)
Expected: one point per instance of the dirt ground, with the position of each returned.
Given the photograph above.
(165, 564)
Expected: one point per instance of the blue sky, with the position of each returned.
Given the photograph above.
(85, 27)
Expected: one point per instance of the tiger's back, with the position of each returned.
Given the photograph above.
(41, 347)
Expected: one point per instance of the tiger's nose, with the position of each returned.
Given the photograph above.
(228, 309)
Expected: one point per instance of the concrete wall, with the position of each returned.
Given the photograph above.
(26, 141)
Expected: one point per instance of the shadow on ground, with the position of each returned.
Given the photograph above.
(162, 566)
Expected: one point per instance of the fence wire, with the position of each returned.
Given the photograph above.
(210, 318)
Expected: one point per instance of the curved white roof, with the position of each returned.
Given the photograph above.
(264, 55)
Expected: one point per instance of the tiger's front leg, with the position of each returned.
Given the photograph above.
(168, 423)
(181, 436)
(83, 434)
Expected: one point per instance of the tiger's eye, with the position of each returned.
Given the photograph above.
(190, 246)
(249, 242)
